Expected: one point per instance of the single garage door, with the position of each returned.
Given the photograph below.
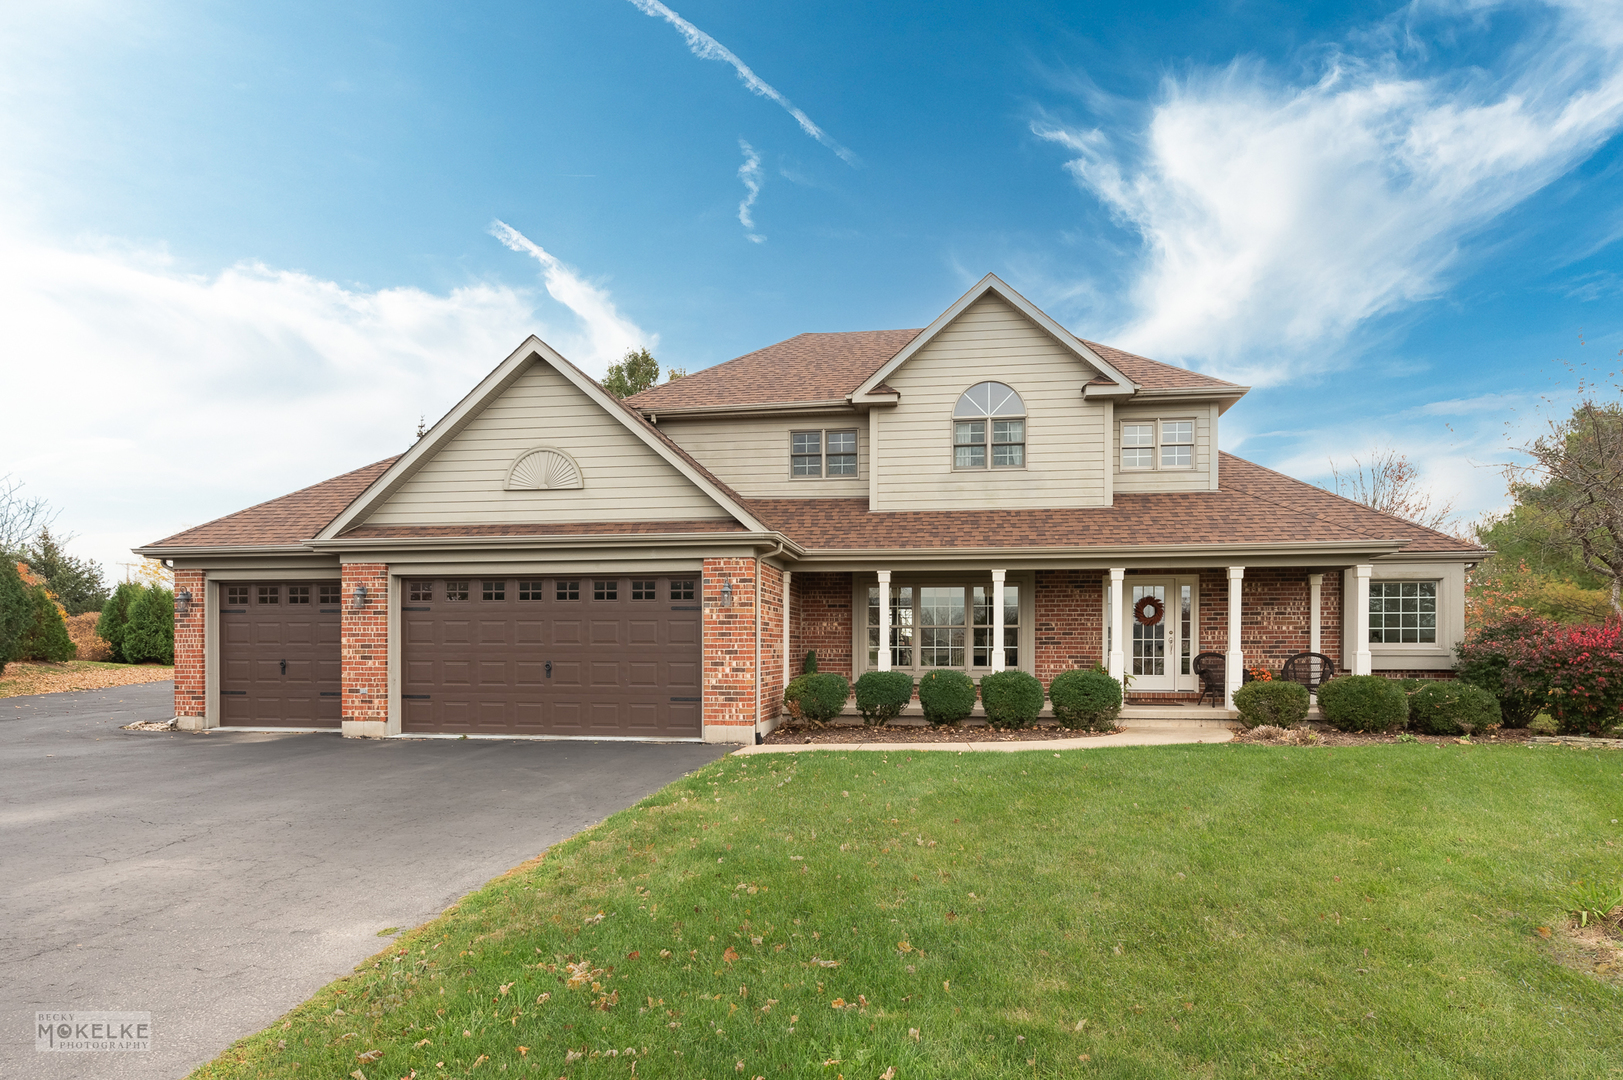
(279, 662)
(552, 656)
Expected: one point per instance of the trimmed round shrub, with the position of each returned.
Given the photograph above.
(810, 666)
(1452, 708)
(947, 696)
(882, 695)
(1012, 699)
(1085, 700)
(1281, 704)
(816, 697)
(1364, 703)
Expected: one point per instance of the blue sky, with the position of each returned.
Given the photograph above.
(243, 247)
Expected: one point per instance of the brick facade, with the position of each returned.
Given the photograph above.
(728, 668)
(820, 618)
(363, 645)
(191, 687)
(771, 641)
(1070, 630)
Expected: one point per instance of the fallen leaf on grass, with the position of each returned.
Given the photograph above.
(369, 1056)
(888, 1074)
(913, 1033)
(422, 1043)
(523, 1051)
(730, 955)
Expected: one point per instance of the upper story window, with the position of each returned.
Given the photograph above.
(989, 415)
(822, 453)
(1157, 444)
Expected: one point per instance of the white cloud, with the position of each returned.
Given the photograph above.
(1277, 219)
(609, 335)
(144, 400)
(708, 48)
(750, 174)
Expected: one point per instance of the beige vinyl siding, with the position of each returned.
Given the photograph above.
(1198, 478)
(751, 455)
(624, 479)
(1065, 435)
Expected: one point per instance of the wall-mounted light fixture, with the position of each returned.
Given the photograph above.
(360, 597)
(727, 594)
(183, 601)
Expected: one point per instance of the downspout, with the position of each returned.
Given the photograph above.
(758, 739)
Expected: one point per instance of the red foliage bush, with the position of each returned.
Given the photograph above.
(1576, 672)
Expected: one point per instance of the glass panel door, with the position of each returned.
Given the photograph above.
(1149, 663)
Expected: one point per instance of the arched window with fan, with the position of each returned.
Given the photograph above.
(989, 428)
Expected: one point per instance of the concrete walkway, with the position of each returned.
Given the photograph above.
(1157, 736)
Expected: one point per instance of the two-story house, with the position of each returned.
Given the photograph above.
(989, 492)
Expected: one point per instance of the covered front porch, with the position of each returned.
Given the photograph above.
(1151, 626)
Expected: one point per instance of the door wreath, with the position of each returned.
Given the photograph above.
(1149, 610)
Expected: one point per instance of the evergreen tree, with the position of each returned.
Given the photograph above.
(47, 635)
(150, 631)
(115, 616)
(16, 611)
(76, 583)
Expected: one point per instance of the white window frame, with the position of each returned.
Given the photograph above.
(1436, 617)
(823, 453)
(988, 446)
(1025, 581)
(1157, 445)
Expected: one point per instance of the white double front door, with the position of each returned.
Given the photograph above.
(1163, 632)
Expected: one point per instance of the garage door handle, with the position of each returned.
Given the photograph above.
(284, 667)
(549, 669)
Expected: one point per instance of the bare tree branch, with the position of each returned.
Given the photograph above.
(1389, 483)
(21, 518)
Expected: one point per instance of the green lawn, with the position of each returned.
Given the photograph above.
(1204, 911)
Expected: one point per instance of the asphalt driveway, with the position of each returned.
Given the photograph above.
(217, 880)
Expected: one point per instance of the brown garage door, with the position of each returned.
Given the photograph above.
(279, 654)
(552, 656)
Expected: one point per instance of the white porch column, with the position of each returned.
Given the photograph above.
(884, 620)
(787, 664)
(1234, 663)
(1315, 583)
(1117, 665)
(1360, 621)
(997, 619)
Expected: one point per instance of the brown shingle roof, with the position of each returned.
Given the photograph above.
(1254, 505)
(807, 367)
(289, 520)
(829, 367)
(1153, 374)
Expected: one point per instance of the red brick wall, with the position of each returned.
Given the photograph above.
(771, 641)
(191, 696)
(820, 618)
(1070, 626)
(729, 650)
(363, 643)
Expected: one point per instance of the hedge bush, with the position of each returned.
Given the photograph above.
(1282, 704)
(1085, 700)
(16, 611)
(1364, 703)
(150, 633)
(1012, 699)
(1575, 673)
(1447, 707)
(882, 695)
(46, 637)
(810, 665)
(115, 616)
(947, 696)
(816, 697)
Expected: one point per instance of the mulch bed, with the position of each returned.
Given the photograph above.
(1329, 736)
(907, 733)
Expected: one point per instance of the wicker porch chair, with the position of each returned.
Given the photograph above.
(1311, 669)
(1209, 666)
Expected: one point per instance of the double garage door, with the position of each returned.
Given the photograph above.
(551, 656)
(517, 656)
(279, 654)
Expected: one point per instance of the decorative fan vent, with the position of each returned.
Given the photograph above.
(544, 469)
